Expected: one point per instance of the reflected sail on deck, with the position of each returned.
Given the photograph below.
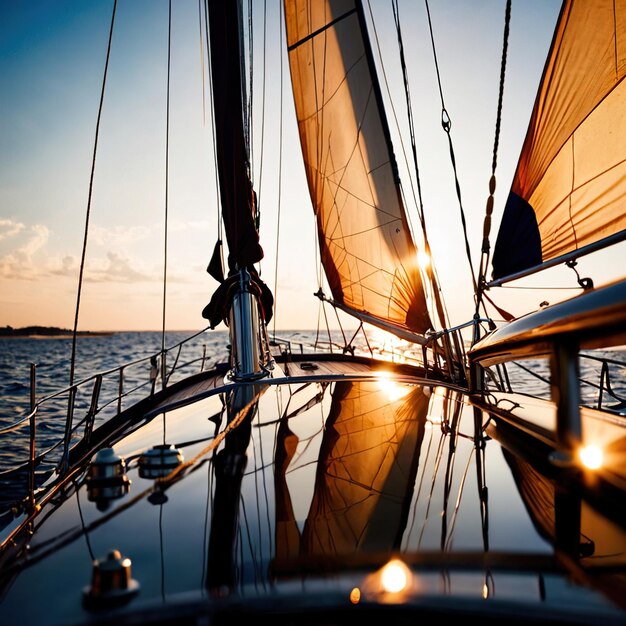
(366, 471)
(366, 247)
(569, 191)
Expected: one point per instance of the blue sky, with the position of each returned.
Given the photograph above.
(51, 62)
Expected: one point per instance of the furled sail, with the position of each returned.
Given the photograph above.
(366, 247)
(569, 191)
(237, 195)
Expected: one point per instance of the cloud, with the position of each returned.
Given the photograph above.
(31, 261)
(19, 264)
(177, 226)
(10, 228)
(118, 235)
(67, 266)
(116, 268)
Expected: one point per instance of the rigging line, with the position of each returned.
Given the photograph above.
(280, 161)
(265, 493)
(457, 504)
(319, 31)
(407, 94)
(206, 525)
(88, 212)
(485, 252)
(395, 117)
(82, 522)
(263, 81)
(253, 554)
(419, 488)
(251, 86)
(161, 551)
(539, 288)
(343, 334)
(218, 203)
(446, 123)
(438, 457)
(246, 94)
(447, 486)
(430, 271)
(483, 492)
(258, 501)
(330, 341)
(167, 166)
(202, 63)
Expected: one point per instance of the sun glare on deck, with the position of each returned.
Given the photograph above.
(591, 457)
(394, 390)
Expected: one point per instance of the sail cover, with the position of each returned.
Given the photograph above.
(366, 247)
(569, 191)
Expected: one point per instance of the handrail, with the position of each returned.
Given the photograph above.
(595, 319)
(17, 425)
(587, 319)
(94, 407)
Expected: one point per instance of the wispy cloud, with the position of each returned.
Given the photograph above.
(10, 228)
(32, 261)
(119, 235)
(194, 225)
(116, 268)
(19, 263)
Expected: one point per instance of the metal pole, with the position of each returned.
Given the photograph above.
(33, 406)
(68, 430)
(163, 369)
(565, 386)
(93, 408)
(120, 391)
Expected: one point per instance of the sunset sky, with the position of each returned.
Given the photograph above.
(51, 65)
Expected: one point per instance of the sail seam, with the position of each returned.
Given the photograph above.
(569, 198)
(319, 31)
(532, 190)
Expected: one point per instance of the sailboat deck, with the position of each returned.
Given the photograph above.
(304, 369)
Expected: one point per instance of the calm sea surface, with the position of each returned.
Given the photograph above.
(133, 350)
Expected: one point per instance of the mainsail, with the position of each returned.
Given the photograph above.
(569, 192)
(366, 247)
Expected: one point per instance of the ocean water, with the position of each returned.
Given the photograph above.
(106, 353)
(94, 354)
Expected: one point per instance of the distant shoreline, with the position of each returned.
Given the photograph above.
(47, 332)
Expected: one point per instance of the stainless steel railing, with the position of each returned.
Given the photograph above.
(97, 405)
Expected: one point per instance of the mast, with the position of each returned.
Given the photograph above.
(232, 146)
(242, 300)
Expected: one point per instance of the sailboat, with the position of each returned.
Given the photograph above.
(289, 483)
